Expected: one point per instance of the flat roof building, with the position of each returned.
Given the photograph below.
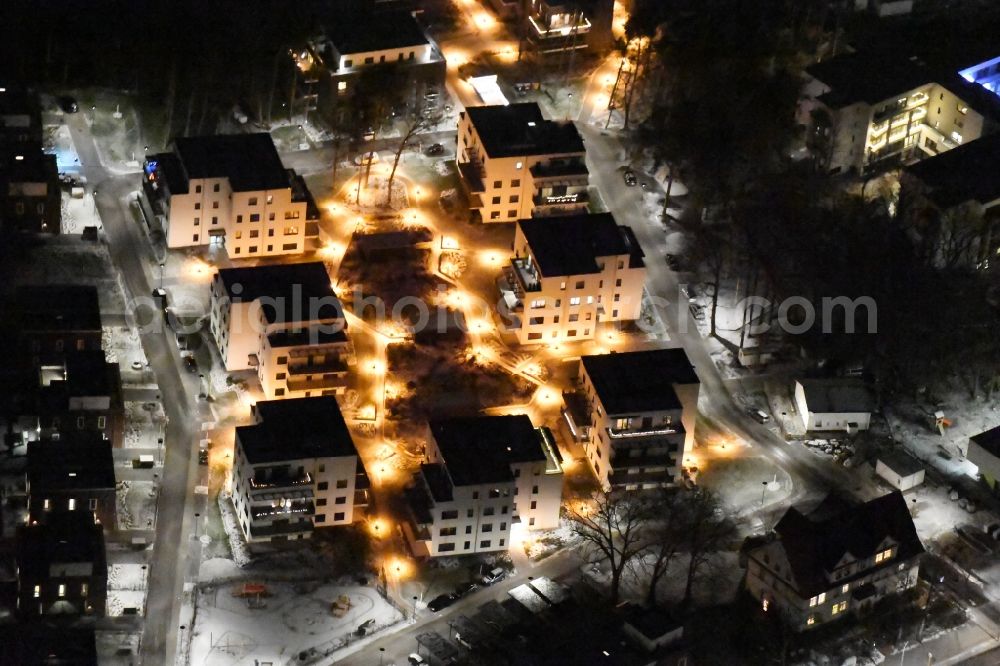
(515, 164)
(73, 473)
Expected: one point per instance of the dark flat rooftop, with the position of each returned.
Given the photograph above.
(859, 77)
(639, 381)
(970, 172)
(293, 286)
(78, 460)
(571, 244)
(63, 307)
(373, 31)
(481, 449)
(65, 537)
(837, 396)
(295, 429)
(249, 161)
(520, 129)
(989, 440)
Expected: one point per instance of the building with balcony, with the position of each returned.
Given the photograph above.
(878, 111)
(840, 558)
(557, 26)
(75, 472)
(329, 65)
(485, 478)
(296, 469)
(568, 275)
(515, 164)
(52, 320)
(634, 414)
(954, 207)
(286, 322)
(230, 191)
(62, 567)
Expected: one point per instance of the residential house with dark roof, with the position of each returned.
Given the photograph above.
(82, 392)
(955, 202)
(568, 275)
(29, 178)
(230, 191)
(878, 110)
(485, 479)
(62, 566)
(52, 320)
(515, 164)
(834, 404)
(296, 469)
(635, 415)
(75, 472)
(554, 27)
(983, 451)
(842, 557)
(285, 321)
(38, 644)
(350, 42)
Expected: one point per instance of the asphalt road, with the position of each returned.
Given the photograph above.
(129, 250)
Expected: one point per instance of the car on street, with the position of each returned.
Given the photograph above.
(202, 456)
(68, 104)
(415, 659)
(441, 602)
(493, 577)
(758, 415)
(191, 364)
(160, 298)
(434, 149)
(630, 178)
(464, 589)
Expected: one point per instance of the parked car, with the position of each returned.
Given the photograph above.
(495, 576)
(464, 589)
(202, 456)
(442, 601)
(758, 415)
(369, 134)
(191, 364)
(434, 149)
(416, 659)
(68, 104)
(160, 298)
(630, 178)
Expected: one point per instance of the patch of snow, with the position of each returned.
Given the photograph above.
(238, 547)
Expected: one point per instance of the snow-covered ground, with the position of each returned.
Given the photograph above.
(122, 346)
(144, 424)
(59, 142)
(296, 617)
(137, 505)
(77, 213)
(935, 513)
(125, 576)
(120, 601)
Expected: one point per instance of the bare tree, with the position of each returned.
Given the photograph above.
(665, 539)
(417, 123)
(707, 529)
(614, 525)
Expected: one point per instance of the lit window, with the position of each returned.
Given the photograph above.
(811, 620)
(817, 599)
(839, 608)
(38, 591)
(46, 505)
(575, 300)
(764, 603)
(518, 165)
(62, 589)
(845, 588)
(84, 589)
(72, 504)
(342, 86)
(883, 556)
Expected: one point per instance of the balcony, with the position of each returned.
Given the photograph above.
(917, 99)
(316, 367)
(280, 528)
(311, 383)
(283, 508)
(620, 461)
(280, 479)
(472, 176)
(571, 199)
(527, 276)
(623, 478)
(573, 172)
(660, 430)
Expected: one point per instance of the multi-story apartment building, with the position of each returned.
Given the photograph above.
(285, 321)
(483, 476)
(75, 472)
(954, 204)
(329, 66)
(296, 469)
(877, 112)
(80, 393)
(635, 415)
(840, 558)
(52, 320)
(62, 567)
(569, 274)
(516, 164)
(230, 191)
(556, 26)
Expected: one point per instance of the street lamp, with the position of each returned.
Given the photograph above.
(414, 608)
(381, 654)
(762, 491)
(196, 517)
(162, 265)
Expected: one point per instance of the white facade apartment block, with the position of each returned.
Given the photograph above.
(517, 165)
(296, 469)
(560, 299)
(473, 489)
